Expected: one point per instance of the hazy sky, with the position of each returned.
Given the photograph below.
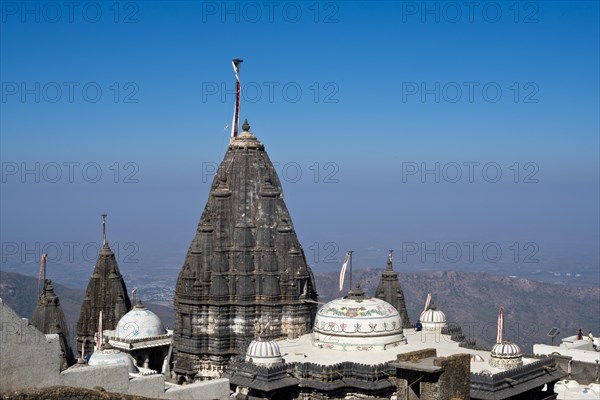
(122, 107)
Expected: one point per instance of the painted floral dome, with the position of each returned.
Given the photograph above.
(139, 323)
(110, 356)
(357, 323)
(264, 352)
(506, 355)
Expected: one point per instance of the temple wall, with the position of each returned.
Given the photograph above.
(149, 386)
(30, 359)
(111, 378)
(581, 371)
(452, 383)
(27, 358)
(455, 381)
(215, 389)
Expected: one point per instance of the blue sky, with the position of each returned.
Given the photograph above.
(360, 92)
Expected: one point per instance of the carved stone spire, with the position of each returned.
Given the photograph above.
(244, 263)
(106, 292)
(389, 290)
(49, 318)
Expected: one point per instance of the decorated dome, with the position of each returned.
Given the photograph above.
(506, 355)
(506, 350)
(110, 356)
(139, 323)
(432, 318)
(264, 352)
(357, 323)
(435, 316)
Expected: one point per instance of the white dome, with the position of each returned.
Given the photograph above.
(112, 357)
(506, 355)
(139, 323)
(357, 323)
(432, 319)
(506, 350)
(265, 352)
(435, 316)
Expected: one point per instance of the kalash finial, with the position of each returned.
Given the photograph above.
(357, 293)
(246, 126)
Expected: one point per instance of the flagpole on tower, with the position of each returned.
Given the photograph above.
(44, 261)
(42, 271)
(99, 342)
(104, 229)
(500, 326)
(350, 252)
(343, 271)
(427, 302)
(236, 113)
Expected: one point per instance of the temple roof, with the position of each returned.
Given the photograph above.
(106, 292)
(389, 290)
(49, 318)
(246, 232)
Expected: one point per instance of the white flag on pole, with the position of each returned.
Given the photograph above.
(427, 302)
(343, 271)
(500, 326)
(99, 341)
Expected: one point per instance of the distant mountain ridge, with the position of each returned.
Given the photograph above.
(469, 299)
(19, 293)
(472, 300)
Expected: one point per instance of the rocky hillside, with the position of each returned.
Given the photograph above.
(472, 300)
(469, 299)
(18, 291)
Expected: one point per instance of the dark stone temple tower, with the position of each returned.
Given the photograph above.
(245, 266)
(49, 318)
(389, 290)
(105, 292)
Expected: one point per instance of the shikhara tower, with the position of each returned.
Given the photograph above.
(49, 318)
(105, 292)
(245, 265)
(389, 290)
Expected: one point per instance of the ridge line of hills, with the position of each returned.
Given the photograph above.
(468, 299)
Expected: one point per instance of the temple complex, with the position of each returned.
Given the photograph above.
(357, 350)
(248, 324)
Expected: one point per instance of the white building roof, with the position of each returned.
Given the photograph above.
(579, 350)
(302, 349)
